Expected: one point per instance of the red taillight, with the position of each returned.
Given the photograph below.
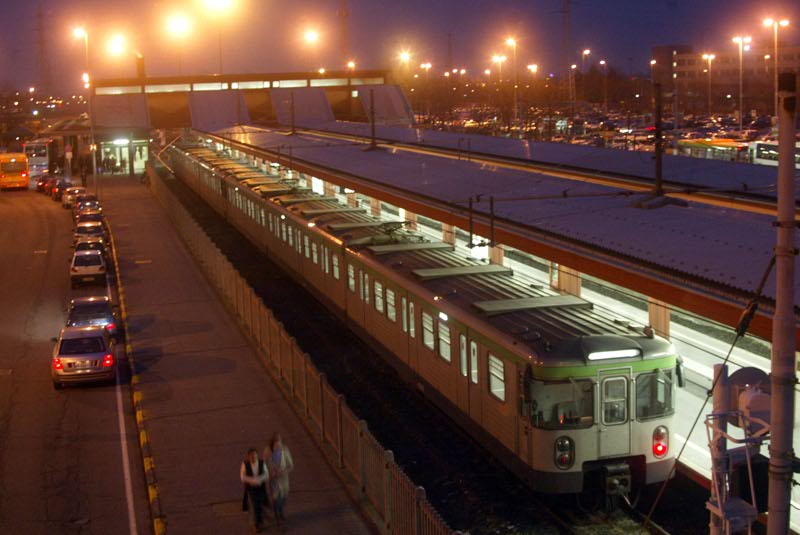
(24, 175)
(660, 441)
(57, 364)
(564, 452)
(110, 326)
(108, 361)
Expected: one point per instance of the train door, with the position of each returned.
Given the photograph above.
(614, 427)
(462, 380)
(410, 323)
(474, 379)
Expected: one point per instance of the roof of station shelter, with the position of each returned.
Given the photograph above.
(696, 245)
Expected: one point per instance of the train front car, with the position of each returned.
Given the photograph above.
(600, 409)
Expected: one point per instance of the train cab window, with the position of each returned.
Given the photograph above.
(391, 310)
(307, 246)
(444, 341)
(462, 352)
(351, 278)
(562, 404)
(335, 262)
(473, 362)
(412, 324)
(615, 400)
(654, 397)
(404, 313)
(428, 337)
(497, 378)
(366, 288)
(379, 297)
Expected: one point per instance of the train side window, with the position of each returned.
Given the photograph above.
(335, 261)
(379, 297)
(404, 313)
(366, 288)
(324, 251)
(361, 284)
(497, 378)
(284, 231)
(615, 400)
(473, 362)
(299, 243)
(428, 336)
(462, 351)
(291, 237)
(391, 311)
(412, 324)
(307, 246)
(314, 253)
(444, 341)
(351, 278)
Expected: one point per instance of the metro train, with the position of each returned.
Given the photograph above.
(566, 395)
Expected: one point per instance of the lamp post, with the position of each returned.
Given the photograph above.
(604, 65)
(81, 33)
(179, 26)
(775, 24)
(513, 44)
(709, 58)
(766, 63)
(572, 91)
(219, 8)
(742, 42)
(427, 67)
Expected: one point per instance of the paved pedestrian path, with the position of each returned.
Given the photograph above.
(206, 396)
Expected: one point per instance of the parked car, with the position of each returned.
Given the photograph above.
(59, 188)
(90, 215)
(87, 266)
(41, 184)
(68, 198)
(92, 243)
(83, 354)
(49, 185)
(88, 229)
(92, 311)
(84, 200)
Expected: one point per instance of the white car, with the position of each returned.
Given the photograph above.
(87, 266)
(68, 198)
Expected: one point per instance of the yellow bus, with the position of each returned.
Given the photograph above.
(13, 170)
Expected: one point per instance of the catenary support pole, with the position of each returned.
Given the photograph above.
(659, 189)
(782, 378)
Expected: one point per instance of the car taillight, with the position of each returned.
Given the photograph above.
(564, 453)
(110, 326)
(660, 441)
(24, 175)
(108, 361)
(57, 364)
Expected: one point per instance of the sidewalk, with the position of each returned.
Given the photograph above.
(206, 397)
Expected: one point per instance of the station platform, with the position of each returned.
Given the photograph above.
(206, 396)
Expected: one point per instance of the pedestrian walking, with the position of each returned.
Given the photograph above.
(254, 475)
(280, 463)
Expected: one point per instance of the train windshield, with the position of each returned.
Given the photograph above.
(562, 404)
(654, 394)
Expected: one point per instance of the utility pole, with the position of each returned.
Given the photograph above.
(566, 48)
(659, 189)
(782, 377)
(344, 31)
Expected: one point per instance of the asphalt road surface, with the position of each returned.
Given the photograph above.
(69, 460)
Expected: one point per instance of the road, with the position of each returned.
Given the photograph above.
(62, 468)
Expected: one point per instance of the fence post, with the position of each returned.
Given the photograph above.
(362, 466)
(419, 497)
(306, 360)
(340, 438)
(388, 461)
(322, 380)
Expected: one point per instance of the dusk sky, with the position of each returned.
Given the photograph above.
(265, 35)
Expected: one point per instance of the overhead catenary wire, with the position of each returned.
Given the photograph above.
(741, 330)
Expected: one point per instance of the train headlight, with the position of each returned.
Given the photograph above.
(564, 453)
(660, 441)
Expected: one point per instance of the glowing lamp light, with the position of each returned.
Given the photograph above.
(116, 45)
(311, 36)
(79, 33)
(178, 25)
(652, 62)
(405, 56)
(321, 70)
(351, 65)
(602, 62)
(614, 354)
(85, 77)
(533, 68)
(511, 41)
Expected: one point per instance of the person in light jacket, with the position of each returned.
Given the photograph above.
(280, 463)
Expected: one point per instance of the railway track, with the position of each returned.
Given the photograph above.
(747, 201)
(473, 491)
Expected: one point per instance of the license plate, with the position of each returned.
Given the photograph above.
(82, 364)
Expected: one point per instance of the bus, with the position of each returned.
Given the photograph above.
(13, 170)
(714, 149)
(766, 153)
(40, 153)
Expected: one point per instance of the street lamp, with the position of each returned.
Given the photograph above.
(81, 33)
(742, 42)
(311, 37)
(652, 70)
(427, 67)
(604, 65)
(404, 56)
(179, 27)
(775, 24)
(584, 55)
(572, 91)
(709, 58)
(766, 63)
(219, 8)
(351, 65)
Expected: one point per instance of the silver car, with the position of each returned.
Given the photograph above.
(83, 354)
(68, 198)
(93, 311)
(88, 229)
(87, 266)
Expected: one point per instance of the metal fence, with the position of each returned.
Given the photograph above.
(400, 506)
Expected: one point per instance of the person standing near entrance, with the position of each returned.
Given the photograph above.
(254, 475)
(280, 464)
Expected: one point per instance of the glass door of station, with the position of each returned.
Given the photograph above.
(115, 155)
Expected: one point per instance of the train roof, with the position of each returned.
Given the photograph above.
(560, 330)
